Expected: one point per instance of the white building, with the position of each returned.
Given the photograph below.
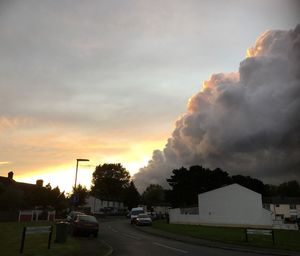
(232, 205)
(96, 205)
(283, 208)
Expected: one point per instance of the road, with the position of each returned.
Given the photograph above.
(128, 241)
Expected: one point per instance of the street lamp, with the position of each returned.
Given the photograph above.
(78, 160)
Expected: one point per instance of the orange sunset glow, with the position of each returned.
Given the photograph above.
(63, 175)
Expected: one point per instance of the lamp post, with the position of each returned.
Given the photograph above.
(78, 160)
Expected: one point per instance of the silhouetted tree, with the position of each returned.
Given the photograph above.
(290, 188)
(251, 183)
(187, 184)
(38, 196)
(110, 181)
(153, 195)
(131, 196)
(79, 196)
(11, 198)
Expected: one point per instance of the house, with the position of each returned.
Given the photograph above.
(97, 206)
(8, 181)
(283, 208)
(232, 205)
(11, 208)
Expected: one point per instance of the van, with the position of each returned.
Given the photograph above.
(134, 213)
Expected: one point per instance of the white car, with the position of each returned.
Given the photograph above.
(134, 213)
(143, 219)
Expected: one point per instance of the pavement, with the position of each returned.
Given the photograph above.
(215, 244)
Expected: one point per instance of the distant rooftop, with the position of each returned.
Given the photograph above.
(9, 180)
(281, 200)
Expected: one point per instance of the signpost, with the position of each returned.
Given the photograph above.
(264, 232)
(36, 230)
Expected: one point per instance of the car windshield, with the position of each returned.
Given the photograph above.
(87, 218)
(143, 216)
(137, 212)
(75, 213)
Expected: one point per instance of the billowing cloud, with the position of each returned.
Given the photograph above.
(246, 122)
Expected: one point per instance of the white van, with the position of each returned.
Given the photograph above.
(134, 213)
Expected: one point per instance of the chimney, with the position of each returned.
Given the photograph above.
(10, 175)
(39, 183)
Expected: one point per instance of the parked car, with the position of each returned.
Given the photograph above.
(134, 213)
(143, 219)
(73, 214)
(85, 225)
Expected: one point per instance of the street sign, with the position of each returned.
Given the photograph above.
(36, 230)
(264, 232)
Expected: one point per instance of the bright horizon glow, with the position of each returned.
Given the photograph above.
(63, 176)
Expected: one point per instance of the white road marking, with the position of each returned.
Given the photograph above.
(131, 236)
(124, 234)
(112, 229)
(171, 248)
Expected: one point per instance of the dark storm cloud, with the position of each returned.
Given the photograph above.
(246, 122)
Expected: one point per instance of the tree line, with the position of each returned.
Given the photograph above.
(112, 182)
(186, 184)
(12, 197)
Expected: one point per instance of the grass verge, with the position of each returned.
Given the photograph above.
(36, 244)
(284, 239)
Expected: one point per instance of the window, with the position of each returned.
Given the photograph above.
(292, 207)
(277, 205)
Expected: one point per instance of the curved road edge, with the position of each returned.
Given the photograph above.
(215, 244)
(110, 249)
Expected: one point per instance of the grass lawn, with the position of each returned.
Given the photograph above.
(36, 244)
(284, 239)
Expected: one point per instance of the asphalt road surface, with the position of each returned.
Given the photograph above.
(126, 240)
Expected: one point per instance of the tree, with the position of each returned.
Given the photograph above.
(79, 196)
(250, 183)
(290, 188)
(110, 181)
(153, 195)
(186, 184)
(11, 198)
(57, 199)
(131, 196)
(38, 196)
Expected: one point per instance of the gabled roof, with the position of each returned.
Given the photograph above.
(226, 187)
(281, 200)
(6, 180)
(22, 185)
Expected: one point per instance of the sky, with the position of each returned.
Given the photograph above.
(107, 80)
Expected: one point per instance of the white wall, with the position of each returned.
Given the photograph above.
(161, 209)
(94, 203)
(175, 216)
(97, 205)
(232, 205)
